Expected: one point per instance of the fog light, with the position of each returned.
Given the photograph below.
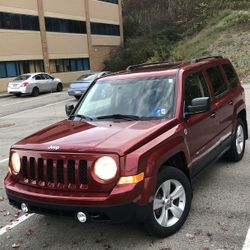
(81, 217)
(24, 208)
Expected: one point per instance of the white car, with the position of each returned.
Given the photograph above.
(34, 84)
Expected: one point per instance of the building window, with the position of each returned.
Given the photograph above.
(105, 29)
(67, 65)
(110, 1)
(15, 68)
(14, 21)
(11, 69)
(2, 70)
(65, 25)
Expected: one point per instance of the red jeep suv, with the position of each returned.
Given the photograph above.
(132, 145)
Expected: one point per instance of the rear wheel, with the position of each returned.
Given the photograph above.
(59, 87)
(236, 152)
(171, 204)
(35, 92)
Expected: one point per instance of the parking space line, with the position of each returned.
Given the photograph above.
(246, 245)
(18, 221)
(4, 160)
(15, 223)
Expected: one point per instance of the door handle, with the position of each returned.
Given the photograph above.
(231, 102)
(213, 115)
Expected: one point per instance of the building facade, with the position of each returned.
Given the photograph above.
(62, 37)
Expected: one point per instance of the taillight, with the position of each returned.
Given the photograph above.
(24, 84)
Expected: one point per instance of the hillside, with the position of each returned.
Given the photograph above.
(228, 34)
(166, 30)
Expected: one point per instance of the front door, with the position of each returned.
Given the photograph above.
(200, 128)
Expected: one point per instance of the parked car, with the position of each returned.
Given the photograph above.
(132, 146)
(34, 84)
(81, 84)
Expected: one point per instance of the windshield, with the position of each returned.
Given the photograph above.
(22, 78)
(143, 98)
(89, 77)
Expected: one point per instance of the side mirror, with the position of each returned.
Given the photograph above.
(199, 105)
(69, 108)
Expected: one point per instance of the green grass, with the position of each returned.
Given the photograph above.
(227, 34)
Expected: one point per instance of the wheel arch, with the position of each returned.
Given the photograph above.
(178, 161)
(243, 115)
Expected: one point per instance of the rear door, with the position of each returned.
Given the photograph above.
(235, 91)
(222, 100)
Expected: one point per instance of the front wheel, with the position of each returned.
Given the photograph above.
(237, 149)
(171, 204)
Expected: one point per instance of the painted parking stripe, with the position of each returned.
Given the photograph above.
(246, 245)
(18, 220)
(4, 160)
(15, 223)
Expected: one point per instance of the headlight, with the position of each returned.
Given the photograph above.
(105, 168)
(15, 163)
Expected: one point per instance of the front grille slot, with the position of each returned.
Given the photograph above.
(83, 172)
(50, 170)
(55, 173)
(71, 171)
(60, 176)
(32, 168)
(25, 167)
(40, 169)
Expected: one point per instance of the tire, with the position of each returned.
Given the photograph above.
(171, 179)
(35, 92)
(18, 94)
(77, 97)
(59, 87)
(237, 149)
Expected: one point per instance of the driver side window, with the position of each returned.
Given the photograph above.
(195, 87)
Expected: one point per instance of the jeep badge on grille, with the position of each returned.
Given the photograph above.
(53, 148)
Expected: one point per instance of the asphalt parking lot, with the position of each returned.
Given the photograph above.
(219, 217)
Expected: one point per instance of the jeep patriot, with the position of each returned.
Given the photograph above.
(132, 145)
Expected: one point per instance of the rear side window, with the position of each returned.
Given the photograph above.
(231, 76)
(195, 87)
(217, 80)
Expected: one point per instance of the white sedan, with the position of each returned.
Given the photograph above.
(34, 84)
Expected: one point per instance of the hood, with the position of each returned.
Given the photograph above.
(118, 137)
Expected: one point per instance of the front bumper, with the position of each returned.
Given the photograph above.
(130, 212)
(122, 204)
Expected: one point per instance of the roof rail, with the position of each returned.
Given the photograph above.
(196, 60)
(153, 65)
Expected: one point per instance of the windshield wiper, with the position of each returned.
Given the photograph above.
(82, 117)
(118, 116)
